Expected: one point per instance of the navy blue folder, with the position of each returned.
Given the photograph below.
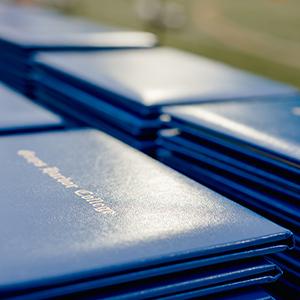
(267, 127)
(127, 89)
(97, 209)
(18, 114)
(159, 77)
(32, 32)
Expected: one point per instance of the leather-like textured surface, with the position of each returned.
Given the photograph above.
(268, 125)
(79, 203)
(18, 113)
(163, 76)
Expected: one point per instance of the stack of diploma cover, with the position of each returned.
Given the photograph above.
(122, 92)
(86, 216)
(26, 32)
(248, 151)
(19, 115)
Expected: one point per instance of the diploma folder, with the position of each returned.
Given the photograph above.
(97, 209)
(236, 121)
(127, 89)
(158, 77)
(19, 45)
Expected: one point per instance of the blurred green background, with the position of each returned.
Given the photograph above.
(262, 36)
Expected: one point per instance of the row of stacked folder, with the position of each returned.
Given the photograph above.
(83, 215)
(24, 33)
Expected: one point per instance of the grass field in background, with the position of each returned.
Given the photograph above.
(262, 36)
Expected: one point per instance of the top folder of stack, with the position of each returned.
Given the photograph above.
(109, 225)
(123, 92)
(24, 34)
